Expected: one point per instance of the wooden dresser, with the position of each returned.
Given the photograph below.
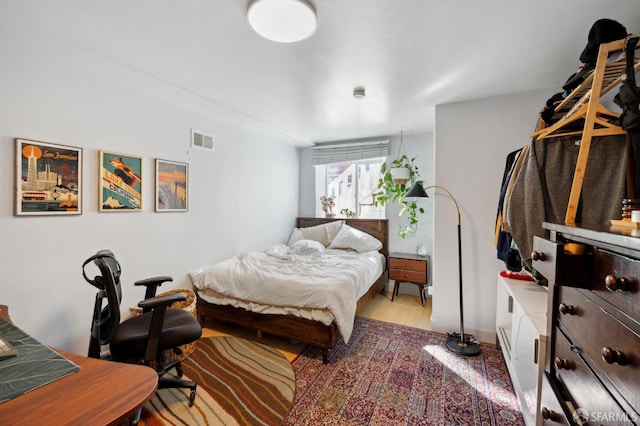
(592, 372)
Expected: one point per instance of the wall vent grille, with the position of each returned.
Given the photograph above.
(202, 140)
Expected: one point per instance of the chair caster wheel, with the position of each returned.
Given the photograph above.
(179, 370)
(192, 398)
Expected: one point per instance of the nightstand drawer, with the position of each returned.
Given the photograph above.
(411, 265)
(409, 276)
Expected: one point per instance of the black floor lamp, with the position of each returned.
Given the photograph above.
(459, 343)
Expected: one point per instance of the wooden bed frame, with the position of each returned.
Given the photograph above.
(301, 329)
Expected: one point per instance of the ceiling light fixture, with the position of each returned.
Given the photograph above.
(283, 21)
(358, 92)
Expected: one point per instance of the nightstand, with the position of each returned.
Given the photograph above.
(409, 268)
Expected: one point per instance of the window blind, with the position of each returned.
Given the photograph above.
(325, 153)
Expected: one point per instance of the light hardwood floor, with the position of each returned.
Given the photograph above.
(404, 310)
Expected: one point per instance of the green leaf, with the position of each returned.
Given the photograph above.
(389, 191)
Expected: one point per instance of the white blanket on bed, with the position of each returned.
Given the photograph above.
(286, 277)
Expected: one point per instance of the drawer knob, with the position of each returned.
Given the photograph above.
(566, 309)
(547, 414)
(535, 255)
(562, 363)
(613, 283)
(611, 356)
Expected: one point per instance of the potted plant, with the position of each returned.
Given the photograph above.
(349, 214)
(400, 170)
(390, 191)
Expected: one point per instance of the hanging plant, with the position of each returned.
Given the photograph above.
(392, 190)
(400, 175)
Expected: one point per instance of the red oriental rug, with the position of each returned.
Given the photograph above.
(390, 374)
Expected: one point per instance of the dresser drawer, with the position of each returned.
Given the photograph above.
(560, 266)
(551, 411)
(407, 275)
(617, 280)
(587, 396)
(411, 265)
(609, 344)
(545, 257)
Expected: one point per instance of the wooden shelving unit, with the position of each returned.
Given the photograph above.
(584, 103)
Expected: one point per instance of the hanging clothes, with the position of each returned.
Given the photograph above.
(517, 168)
(506, 251)
(542, 188)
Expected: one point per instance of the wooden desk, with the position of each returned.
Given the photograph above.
(101, 393)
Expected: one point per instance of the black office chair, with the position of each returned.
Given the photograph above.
(143, 339)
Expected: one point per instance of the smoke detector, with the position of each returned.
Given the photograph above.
(358, 92)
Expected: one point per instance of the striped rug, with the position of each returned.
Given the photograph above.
(240, 382)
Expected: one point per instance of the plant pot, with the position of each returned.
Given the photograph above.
(400, 175)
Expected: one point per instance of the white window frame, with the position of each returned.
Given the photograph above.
(322, 187)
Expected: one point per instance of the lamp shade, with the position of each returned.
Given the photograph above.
(283, 21)
(417, 191)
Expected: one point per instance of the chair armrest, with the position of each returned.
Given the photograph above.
(152, 284)
(158, 306)
(160, 301)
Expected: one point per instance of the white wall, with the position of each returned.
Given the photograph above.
(472, 140)
(242, 196)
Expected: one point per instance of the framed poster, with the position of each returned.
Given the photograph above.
(120, 182)
(172, 186)
(48, 179)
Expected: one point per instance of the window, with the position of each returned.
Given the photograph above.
(349, 172)
(353, 186)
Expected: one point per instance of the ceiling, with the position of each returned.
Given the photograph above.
(410, 55)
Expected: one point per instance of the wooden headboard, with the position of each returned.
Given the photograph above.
(378, 228)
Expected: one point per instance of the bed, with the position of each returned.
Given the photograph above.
(299, 325)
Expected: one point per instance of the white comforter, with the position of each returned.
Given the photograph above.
(333, 280)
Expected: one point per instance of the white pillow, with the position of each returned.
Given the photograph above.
(351, 238)
(324, 233)
(296, 235)
(308, 244)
